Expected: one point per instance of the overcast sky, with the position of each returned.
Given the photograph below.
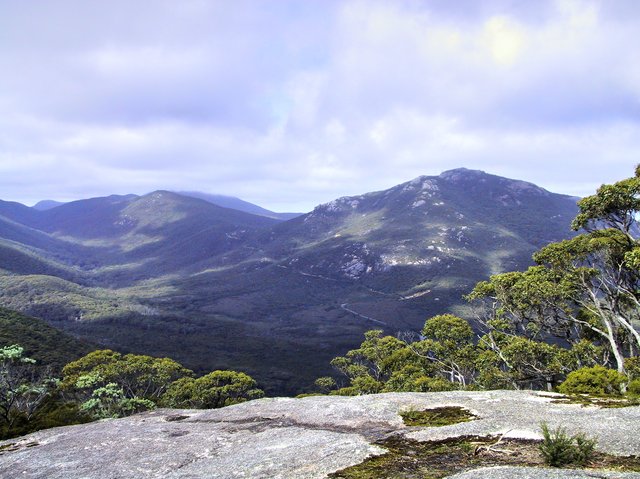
(293, 103)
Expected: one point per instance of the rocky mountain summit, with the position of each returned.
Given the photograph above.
(305, 438)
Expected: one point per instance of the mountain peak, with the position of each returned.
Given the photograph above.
(44, 205)
(461, 173)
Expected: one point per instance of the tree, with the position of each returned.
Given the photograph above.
(584, 287)
(139, 376)
(379, 358)
(23, 386)
(214, 390)
(448, 344)
(442, 359)
(109, 401)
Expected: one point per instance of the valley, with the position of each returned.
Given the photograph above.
(168, 274)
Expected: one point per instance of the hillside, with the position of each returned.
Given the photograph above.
(170, 275)
(427, 224)
(46, 205)
(45, 344)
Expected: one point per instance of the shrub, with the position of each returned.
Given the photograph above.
(597, 380)
(213, 390)
(325, 384)
(633, 388)
(559, 449)
(632, 366)
(347, 391)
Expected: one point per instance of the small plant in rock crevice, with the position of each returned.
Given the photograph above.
(559, 449)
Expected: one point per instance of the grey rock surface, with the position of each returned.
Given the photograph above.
(537, 473)
(299, 438)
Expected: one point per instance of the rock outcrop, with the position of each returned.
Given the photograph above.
(301, 438)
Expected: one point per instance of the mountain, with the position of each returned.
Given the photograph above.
(427, 224)
(11, 210)
(149, 235)
(171, 275)
(46, 205)
(238, 204)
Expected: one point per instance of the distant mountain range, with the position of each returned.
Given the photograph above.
(46, 205)
(218, 287)
(220, 200)
(238, 204)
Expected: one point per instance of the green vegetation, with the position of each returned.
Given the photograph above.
(596, 381)
(560, 323)
(23, 387)
(110, 400)
(106, 384)
(213, 390)
(46, 344)
(138, 376)
(409, 459)
(436, 417)
(633, 389)
(559, 449)
(166, 275)
(583, 287)
(446, 357)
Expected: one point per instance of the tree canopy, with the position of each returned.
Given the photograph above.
(584, 287)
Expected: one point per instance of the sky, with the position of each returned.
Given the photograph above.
(292, 103)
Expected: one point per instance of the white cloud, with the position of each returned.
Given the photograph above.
(291, 104)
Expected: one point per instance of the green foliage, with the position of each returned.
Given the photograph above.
(325, 384)
(632, 367)
(23, 386)
(446, 359)
(137, 375)
(113, 385)
(596, 381)
(213, 390)
(614, 205)
(346, 391)
(53, 412)
(450, 331)
(436, 417)
(633, 388)
(507, 360)
(442, 361)
(367, 385)
(413, 378)
(586, 287)
(559, 449)
(106, 384)
(369, 367)
(45, 344)
(110, 401)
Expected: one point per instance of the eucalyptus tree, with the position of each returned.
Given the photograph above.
(584, 287)
(23, 386)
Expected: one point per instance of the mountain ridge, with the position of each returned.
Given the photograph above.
(216, 288)
(239, 204)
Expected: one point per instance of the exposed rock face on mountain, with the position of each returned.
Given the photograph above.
(302, 438)
(428, 224)
(217, 288)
